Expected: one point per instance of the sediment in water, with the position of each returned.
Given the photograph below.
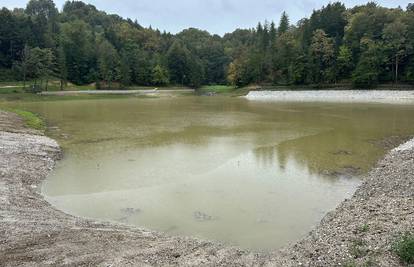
(33, 233)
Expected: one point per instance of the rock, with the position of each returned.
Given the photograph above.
(202, 217)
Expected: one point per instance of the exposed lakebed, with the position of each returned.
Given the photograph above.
(256, 175)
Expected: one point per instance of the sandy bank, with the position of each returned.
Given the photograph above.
(364, 96)
(33, 233)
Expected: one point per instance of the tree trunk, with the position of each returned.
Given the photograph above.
(47, 81)
(396, 69)
(24, 80)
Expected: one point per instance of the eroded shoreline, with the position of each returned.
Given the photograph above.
(360, 231)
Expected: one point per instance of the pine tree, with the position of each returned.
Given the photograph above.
(284, 23)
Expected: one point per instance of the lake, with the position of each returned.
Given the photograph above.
(252, 174)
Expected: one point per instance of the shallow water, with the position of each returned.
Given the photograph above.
(252, 174)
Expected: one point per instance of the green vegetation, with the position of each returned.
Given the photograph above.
(404, 248)
(364, 228)
(27, 97)
(369, 263)
(217, 89)
(358, 248)
(366, 45)
(31, 120)
(53, 85)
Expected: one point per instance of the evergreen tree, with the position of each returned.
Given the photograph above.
(284, 24)
(108, 63)
(178, 60)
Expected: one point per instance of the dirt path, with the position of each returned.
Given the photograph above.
(33, 233)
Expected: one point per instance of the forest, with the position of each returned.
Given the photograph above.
(364, 46)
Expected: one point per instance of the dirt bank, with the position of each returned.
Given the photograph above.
(33, 233)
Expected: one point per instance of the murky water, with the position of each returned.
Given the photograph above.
(255, 175)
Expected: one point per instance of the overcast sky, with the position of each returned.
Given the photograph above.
(216, 16)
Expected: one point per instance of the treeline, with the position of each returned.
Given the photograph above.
(365, 45)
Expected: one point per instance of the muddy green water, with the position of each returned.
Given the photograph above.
(252, 174)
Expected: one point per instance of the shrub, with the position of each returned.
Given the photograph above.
(404, 248)
(365, 80)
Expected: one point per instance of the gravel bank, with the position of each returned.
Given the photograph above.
(366, 96)
(33, 233)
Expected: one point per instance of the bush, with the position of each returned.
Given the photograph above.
(404, 248)
(365, 80)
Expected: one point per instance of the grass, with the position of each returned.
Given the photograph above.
(404, 248)
(364, 228)
(28, 97)
(52, 86)
(218, 89)
(31, 120)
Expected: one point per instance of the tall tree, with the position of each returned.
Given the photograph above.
(62, 67)
(42, 64)
(25, 64)
(43, 14)
(78, 44)
(322, 55)
(178, 60)
(367, 71)
(108, 62)
(344, 62)
(284, 23)
(160, 76)
(395, 37)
